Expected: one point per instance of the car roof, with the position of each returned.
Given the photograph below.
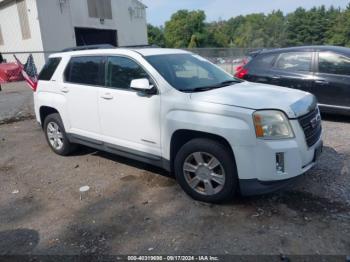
(117, 51)
(339, 49)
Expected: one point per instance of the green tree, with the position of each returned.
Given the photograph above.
(251, 32)
(316, 26)
(275, 30)
(297, 28)
(155, 35)
(182, 26)
(216, 35)
(193, 42)
(339, 33)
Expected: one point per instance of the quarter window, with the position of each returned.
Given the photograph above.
(121, 71)
(295, 61)
(331, 63)
(49, 69)
(264, 61)
(88, 70)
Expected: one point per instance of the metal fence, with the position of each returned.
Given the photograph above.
(226, 58)
(39, 57)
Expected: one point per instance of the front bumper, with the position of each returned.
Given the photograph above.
(256, 165)
(253, 187)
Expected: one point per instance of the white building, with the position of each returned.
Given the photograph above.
(52, 25)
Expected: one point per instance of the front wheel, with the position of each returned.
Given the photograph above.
(205, 169)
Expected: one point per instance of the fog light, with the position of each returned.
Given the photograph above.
(280, 163)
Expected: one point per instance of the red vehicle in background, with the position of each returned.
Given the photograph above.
(10, 72)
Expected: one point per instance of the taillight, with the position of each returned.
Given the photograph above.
(241, 72)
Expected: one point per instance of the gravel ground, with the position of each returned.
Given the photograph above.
(16, 102)
(134, 208)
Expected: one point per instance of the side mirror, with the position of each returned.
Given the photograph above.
(142, 84)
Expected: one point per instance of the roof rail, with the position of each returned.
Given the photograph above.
(105, 46)
(88, 47)
(139, 46)
(256, 52)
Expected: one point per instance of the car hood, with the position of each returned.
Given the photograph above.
(260, 96)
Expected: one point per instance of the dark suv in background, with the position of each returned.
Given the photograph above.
(321, 70)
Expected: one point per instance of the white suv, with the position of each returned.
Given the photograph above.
(176, 110)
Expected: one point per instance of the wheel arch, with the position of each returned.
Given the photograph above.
(44, 111)
(182, 136)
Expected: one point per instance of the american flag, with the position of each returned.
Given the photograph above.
(29, 72)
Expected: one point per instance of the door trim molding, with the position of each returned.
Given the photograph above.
(121, 151)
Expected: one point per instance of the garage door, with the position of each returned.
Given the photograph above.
(91, 36)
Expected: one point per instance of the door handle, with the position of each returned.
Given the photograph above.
(321, 82)
(107, 96)
(64, 90)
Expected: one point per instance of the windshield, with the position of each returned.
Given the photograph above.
(190, 73)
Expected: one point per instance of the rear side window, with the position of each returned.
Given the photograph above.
(295, 61)
(87, 70)
(331, 63)
(121, 71)
(49, 69)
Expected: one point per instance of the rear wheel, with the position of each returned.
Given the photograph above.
(56, 135)
(206, 170)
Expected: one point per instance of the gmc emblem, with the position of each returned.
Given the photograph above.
(315, 121)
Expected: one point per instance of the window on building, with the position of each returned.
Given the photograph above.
(295, 61)
(23, 18)
(331, 63)
(1, 37)
(137, 10)
(100, 9)
(121, 71)
(88, 70)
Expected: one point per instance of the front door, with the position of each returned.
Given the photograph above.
(83, 78)
(129, 119)
(332, 80)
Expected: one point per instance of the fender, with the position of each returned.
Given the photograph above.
(56, 101)
(236, 131)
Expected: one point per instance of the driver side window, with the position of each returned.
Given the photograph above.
(121, 71)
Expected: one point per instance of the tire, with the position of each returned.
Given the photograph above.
(53, 135)
(218, 169)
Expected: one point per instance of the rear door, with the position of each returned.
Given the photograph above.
(294, 70)
(332, 79)
(83, 78)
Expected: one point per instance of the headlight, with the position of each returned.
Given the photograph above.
(270, 124)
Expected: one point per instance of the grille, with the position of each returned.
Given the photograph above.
(311, 124)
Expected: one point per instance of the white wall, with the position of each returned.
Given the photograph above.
(55, 30)
(56, 25)
(11, 32)
(131, 31)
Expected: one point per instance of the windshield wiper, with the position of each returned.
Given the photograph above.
(207, 88)
(227, 83)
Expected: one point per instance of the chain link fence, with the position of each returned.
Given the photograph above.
(226, 58)
(39, 57)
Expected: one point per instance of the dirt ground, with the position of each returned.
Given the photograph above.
(134, 208)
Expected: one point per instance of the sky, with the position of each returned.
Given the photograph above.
(160, 11)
